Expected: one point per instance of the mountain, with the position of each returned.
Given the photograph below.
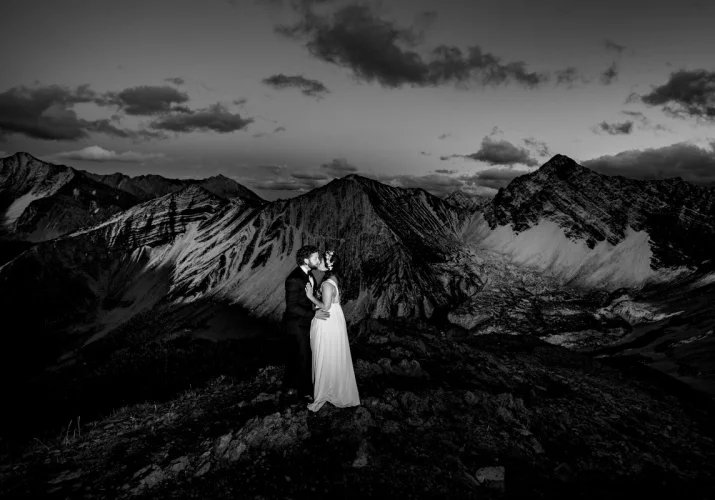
(146, 187)
(41, 201)
(461, 199)
(193, 265)
(598, 230)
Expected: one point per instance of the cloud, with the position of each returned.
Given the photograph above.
(425, 153)
(692, 163)
(569, 76)
(541, 148)
(302, 180)
(643, 122)
(436, 184)
(610, 74)
(99, 154)
(215, 118)
(312, 88)
(148, 100)
(279, 129)
(486, 182)
(613, 46)
(240, 102)
(46, 113)
(443, 136)
(686, 94)
(494, 178)
(623, 128)
(499, 152)
(339, 167)
(372, 48)
(177, 80)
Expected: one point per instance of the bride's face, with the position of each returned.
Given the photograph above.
(321, 265)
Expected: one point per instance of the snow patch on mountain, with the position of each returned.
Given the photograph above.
(18, 206)
(546, 246)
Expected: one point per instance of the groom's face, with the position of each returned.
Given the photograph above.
(313, 260)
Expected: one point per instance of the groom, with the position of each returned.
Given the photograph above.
(296, 323)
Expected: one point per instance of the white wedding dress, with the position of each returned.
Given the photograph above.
(333, 375)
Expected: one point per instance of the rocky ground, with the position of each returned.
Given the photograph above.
(444, 414)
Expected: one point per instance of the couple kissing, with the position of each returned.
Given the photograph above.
(319, 367)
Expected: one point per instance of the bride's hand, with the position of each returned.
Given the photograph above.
(309, 290)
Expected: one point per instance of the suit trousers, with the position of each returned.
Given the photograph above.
(299, 359)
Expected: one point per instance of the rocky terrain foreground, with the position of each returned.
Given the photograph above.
(444, 414)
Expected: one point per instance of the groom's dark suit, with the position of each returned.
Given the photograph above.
(296, 323)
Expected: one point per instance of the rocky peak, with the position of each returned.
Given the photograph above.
(594, 207)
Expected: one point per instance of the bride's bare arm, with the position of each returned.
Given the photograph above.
(327, 296)
(327, 290)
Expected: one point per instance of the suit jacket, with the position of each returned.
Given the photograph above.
(299, 309)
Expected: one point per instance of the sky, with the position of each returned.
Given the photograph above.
(285, 95)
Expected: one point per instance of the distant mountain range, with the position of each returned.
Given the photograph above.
(40, 201)
(563, 253)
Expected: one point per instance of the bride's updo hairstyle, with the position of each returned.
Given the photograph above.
(332, 262)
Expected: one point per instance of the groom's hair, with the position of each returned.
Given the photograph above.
(304, 252)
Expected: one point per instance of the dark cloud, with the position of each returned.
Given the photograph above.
(541, 148)
(46, 113)
(437, 184)
(177, 80)
(613, 46)
(339, 167)
(259, 134)
(279, 185)
(240, 102)
(425, 153)
(569, 76)
(494, 178)
(623, 128)
(610, 74)
(104, 126)
(447, 172)
(371, 47)
(500, 152)
(306, 179)
(279, 129)
(686, 94)
(444, 136)
(312, 88)
(692, 163)
(215, 118)
(643, 122)
(310, 175)
(147, 100)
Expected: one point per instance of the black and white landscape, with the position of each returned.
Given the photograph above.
(528, 271)
(609, 266)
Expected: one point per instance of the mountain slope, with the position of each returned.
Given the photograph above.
(442, 415)
(59, 292)
(41, 201)
(599, 230)
(463, 200)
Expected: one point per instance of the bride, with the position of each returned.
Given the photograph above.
(333, 375)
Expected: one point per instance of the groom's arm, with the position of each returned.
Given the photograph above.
(295, 291)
